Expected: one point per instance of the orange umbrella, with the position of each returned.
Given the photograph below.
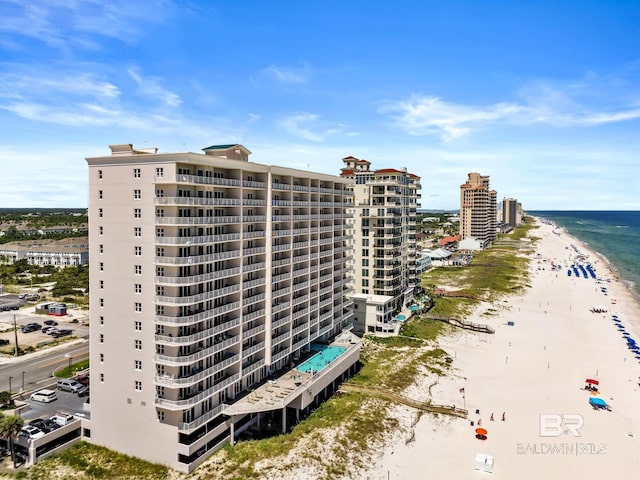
(481, 431)
(592, 381)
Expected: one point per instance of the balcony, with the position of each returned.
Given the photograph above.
(196, 317)
(199, 336)
(224, 220)
(185, 427)
(250, 350)
(176, 361)
(189, 380)
(190, 402)
(197, 259)
(201, 297)
(196, 201)
(198, 240)
(195, 279)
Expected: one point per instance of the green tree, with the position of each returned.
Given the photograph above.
(5, 399)
(10, 426)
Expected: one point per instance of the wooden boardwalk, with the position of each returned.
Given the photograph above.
(476, 327)
(395, 397)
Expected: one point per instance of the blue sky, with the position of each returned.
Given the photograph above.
(542, 96)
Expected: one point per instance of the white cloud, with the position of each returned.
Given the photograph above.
(539, 104)
(289, 75)
(69, 24)
(151, 87)
(298, 125)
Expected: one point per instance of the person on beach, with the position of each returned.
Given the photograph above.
(491, 419)
(503, 416)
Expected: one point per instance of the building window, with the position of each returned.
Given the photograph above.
(160, 193)
(137, 344)
(138, 385)
(159, 290)
(137, 326)
(137, 288)
(160, 415)
(136, 173)
(365, 242)
(160, 271)
(101, 338)
(101, 230)
(137, 231)
(100, 194)
(100, 212)
(365, 252)
(137, 251)
(137, 269)
(160, 172)
(160, 212)
(365, 272)
(137, 194)
(159, 232)
(137, 306)
(101, 266)
(137, 364)
(159, 309)
(101, 302)
(101, 248)
(101, 320)
(137, 213)
(102, 378)
(100, 174)
(365, 282)
(101, 282)
(102, 358)
(159, 252)
(365, 262)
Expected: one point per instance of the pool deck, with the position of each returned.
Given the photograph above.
(281, 392)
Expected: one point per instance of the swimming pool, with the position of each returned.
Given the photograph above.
(320, 360)
(414, 308)
(401, 318)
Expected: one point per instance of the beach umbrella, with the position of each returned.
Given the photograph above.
(592, 381)
(481, 431)
(626, 334)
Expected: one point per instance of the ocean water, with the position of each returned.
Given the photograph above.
(614, 234)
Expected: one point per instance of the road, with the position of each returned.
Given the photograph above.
(38, 368)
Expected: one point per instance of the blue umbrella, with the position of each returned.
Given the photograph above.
(626, 334)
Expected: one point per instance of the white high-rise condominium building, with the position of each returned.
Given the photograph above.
(209, 273)
(384, 229)
(478, 209)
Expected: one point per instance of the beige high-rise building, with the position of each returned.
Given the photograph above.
(385, 202)
(209, 274)
(511, 213)
(478, 209)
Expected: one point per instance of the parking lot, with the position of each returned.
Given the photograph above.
(66, 402)
(26, 314)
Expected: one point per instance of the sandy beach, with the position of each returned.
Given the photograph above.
(536, 366)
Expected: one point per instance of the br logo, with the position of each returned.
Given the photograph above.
(555, 424)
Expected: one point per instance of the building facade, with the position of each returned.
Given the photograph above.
(208, 273)
(59, 253)
(511, 213)
(478, 209)
(372, 314)
(384, 229)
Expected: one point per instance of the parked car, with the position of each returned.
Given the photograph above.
(50, 322)
(83, 379)
(62, 419)
(31, 327)
(84, 391)
(40, 424)
(6, 308)
(68, 385)
(44, 395)
(61, 333)
(31, 432)
(4, 341)
(15, 307)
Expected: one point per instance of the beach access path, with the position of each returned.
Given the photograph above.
(535, 367)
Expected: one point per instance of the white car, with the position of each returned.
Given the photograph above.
(31, 432)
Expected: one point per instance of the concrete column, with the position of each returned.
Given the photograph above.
(284, 419)
(233, 432)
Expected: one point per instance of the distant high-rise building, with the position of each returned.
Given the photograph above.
(385, 202)
(478, 209)
(511, 213)
(209, 274)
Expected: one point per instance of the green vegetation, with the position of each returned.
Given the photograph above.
(75, 367)
(23, 224)
(84, 461)
(499, 270)
(10, 426)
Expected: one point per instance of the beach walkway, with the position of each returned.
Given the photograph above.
(476, 327)
(395, 397)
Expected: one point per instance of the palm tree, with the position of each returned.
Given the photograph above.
(10, 427)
